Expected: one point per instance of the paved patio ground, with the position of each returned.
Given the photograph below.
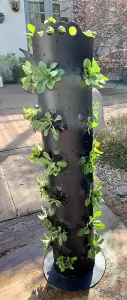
(19, 192)
(21, 275)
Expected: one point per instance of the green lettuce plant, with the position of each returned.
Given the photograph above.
(28, 80)
(92, 223)
(93, 121)
(57, 234)
(88, 163)
(46, 124)
(66, 263)
(95, 245)
(41, 76)
(36, 154)
(95, 196)
(92, 75)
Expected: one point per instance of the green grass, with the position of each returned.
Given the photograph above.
(114, 143)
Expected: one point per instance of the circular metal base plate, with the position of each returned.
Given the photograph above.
(76, 284)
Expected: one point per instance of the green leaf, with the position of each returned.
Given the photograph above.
(58, 118)
(72, 31)
(88, 81)
(31, 28)
(27, 68)
(44, 161)
(84, 231)
(91, 253)
(28, 33)
(51, 166)
(53, 65)
(42, 66)
(46, 132)
(60, 240)
(46, 155)
(87, 202)
(101, 226)
(51, 19)
(48, 116)
(101, 241)
(40, 33)
(87, 63)
(51, 84)
(97, 214)
(40, 88)
(90, 33)
(95, 124)
(98, 151)
(57, 78)
(62, 164)
(30, 43)
(97, 249)
(64, 236)
(50, 30)
(74, 258)
(61, 29)
(26, 83)
(54, 73)
(61, 72)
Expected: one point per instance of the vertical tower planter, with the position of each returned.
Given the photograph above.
(68, 265)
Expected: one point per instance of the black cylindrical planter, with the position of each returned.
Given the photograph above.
(73, 101)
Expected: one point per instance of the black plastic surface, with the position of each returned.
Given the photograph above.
(76, 284)
(73, 101)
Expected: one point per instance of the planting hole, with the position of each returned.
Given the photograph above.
(50, 30)
(72, 31)
(61, 30)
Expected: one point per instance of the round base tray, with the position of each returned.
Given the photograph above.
(76, 284)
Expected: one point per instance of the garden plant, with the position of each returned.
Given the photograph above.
(63, 72)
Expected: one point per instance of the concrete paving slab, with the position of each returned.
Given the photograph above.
(7, 207)
(21, 274)
(19, 232)
(26, 198)
(11, 138)
(13, 96)
(21, 177)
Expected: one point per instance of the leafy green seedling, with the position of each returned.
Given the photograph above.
(44, 192)
(90, 33)
(92, 75)
(53, 168)
(31, 115)
(45, 76)
(45, 124)
(88, 162)
(36, 154)
(59, 235)
(31, 33)
(50, 19)
(94, 245)
(95, 197)
(54, 202)
(66, 263)
(43, 187)
(92, 223)
(41, 76)
(93, 122)
(47, 242)
(28, 80)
